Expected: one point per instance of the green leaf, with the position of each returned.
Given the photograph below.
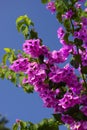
(7, 74)
(45, 1)
(59, 16)
(23, 124)
(74, 63)
(84, 14)
(78, 42)
(85, 3)
(84, 69)
(66, 36)
(11, 58)
(57, 117)
(10, 55)
(7, 50)
(24, 30)
(15, 126)
(19, 26)
(20, 18)
(45, 124)
(61, 6)
(28, 88)
(24, 20)
(48, 124)
(77, 58)
(67, 25)
(33, 127)
(21, 77)
(22, 24)
(5, 57)
(33, 34)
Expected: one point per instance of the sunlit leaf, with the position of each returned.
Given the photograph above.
(5, 57)
(15, 126)
(45, 1)
(7, 50)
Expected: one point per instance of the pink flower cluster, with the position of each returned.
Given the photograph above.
(80, 125)
(20, 64)
(51, 6)
(82, 33)
(59, 88)
(33, 48)
(68, 14)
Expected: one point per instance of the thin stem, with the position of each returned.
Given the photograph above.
(84, 80)
(72, 26)
(83, 76)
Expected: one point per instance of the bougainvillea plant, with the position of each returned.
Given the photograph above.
(36, 68)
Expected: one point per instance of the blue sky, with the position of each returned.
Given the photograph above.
(15, 103)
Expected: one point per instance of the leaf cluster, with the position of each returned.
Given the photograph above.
(25, 26)
(48, 124)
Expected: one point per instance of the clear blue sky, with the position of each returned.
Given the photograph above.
(14, 102)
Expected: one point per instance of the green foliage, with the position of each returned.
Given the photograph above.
(67, 25)
(33, 34)
(3, 122)
(45, 1)
(78, 42)
(7, 50)
(48, 124)
(4, 59)
(59, 16)
(15, 127)
(25, 26)
(61, 7)
(57, 117)
(28, 88)
(14, 77)
(23, 19)
(66, 36)
(74, 63)
(84, 14)
(9, 56)
(23, 23)
(85, 3)
(84, 69)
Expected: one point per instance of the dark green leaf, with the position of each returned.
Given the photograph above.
(59, 16)
(57, 117)
(28, 88)
(84, 69)
(67, 25)
(74, 63)
(33, 34)
(78, 42)
(77, 58)
(66, 36)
